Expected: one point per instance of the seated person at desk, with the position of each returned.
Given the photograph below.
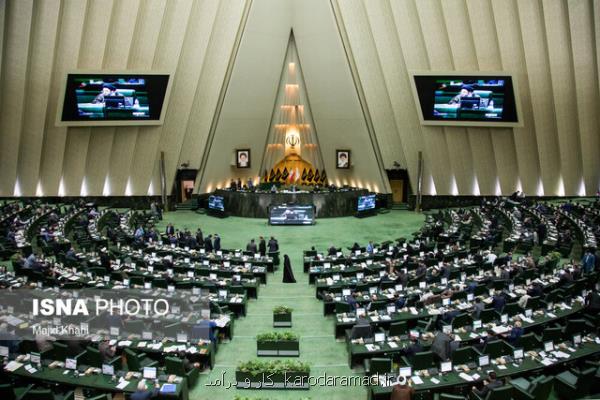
(515, 333)
(402, 391)
(187, 364)
(107, 351)
(332, 251)
(413, 347)
(465, 91)
(488, 384)
(211, 324)
(142, 393)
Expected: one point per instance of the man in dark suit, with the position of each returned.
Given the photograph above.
(208, 247)
(489, 384)
(332, 251)
(498, 301)
(262, 246)
(251, 247)
(144, 394)
(217, 242)
(170, 229)
(273, 245)
(199, 236)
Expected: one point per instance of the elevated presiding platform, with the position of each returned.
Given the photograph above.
(255, 204)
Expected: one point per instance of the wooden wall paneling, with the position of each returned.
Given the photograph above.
(43, 41)
(116, 51)
(186, 86)
(464, 58)
(585, 64)
(67, 52)
(558, 37)
(13, 84)
(397, 83)
(166, 57)
(414, 50)
(540, 85)
(148, 26)
(437, 43)
(512, 54)
(360, 34)
(502, 149)
(91, 55)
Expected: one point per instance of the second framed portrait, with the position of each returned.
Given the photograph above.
(342, 158)
(242, 158)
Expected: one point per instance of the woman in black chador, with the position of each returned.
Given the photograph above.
(288, 274)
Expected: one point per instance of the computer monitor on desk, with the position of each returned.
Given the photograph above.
(405, 371)
(446, 367)
(484, 360)
(149, 373)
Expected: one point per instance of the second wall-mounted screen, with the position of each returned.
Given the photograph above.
(482, 100)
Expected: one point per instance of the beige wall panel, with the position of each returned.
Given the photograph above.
(65, 58)
(536, 61)
(365, 54)
(435, 155)
(43, 36)
(440, 58)
(563, 83)
(148, 26)
(581, 23)
(209, 87)
(397, 84)
(91, 55)
(482, 174)
(189, 70)
(12, 85)
(510, 43)
(2, 24)
(167, 57)
(116, 51)
(248, 105)
(487, 51)
(332, 93)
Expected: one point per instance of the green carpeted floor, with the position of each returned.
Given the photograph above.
(317, 345)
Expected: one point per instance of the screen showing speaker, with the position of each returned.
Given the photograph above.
(366, 202)
(216, 203)
(114, 98)
(466, 99)
(292, 215)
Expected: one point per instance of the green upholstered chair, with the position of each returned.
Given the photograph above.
(420, 361)
(93, 358)
(378, 365)
(136, 362)
(498, 348)
(499, 393)
(448, 396)
(39, 394)
(465, 355)
(538, 388)
(574, 384)
(528, 342)
(398, 328)
(175, 366)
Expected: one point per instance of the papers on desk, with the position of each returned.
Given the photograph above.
(386, 318)
(500, 366)
(498, 330)
(473, 335)
(30, 369)
(466, 377)
(436, 381)
(12, 366)
(222, 321)
(168, 388)
(122, 385)
(371, 347)
(414, 311)
(551, 315)
(546, 362)
(124, 343)
(417, 380)
(560, 354)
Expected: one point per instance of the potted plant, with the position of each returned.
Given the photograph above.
(278, 344)
(282, 317)
(277, 374)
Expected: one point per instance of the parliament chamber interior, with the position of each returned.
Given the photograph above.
(299, 199)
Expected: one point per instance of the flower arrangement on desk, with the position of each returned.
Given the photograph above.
(277, 337)
(257, 367)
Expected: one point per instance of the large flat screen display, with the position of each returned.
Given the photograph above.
(114, 99)
(292, 215)
(479, 100)
(216, 203)
(366, 202)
